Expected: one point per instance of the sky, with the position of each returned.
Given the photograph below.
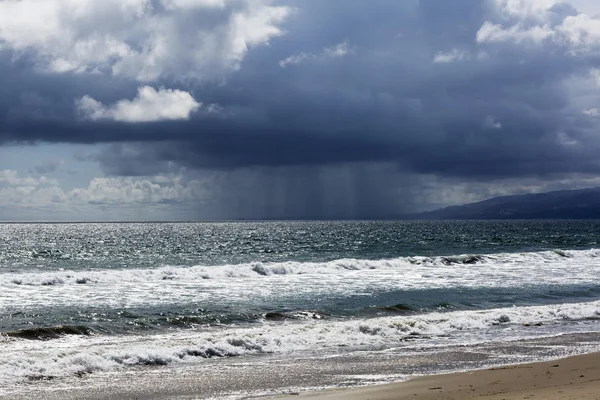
(262, 109)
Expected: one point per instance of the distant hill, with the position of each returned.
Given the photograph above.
(563, 204)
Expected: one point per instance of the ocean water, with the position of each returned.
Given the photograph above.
(83, 302)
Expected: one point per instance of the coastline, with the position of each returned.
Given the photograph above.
(573, 377)
(576, 377)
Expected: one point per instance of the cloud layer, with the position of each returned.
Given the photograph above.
(139, 39)
(377, 97)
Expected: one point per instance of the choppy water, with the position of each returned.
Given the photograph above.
(96, 298)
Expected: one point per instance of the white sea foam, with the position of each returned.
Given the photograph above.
(258, 269)
(263, 281)
(24, 359)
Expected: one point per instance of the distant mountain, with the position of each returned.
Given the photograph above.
(563, 204)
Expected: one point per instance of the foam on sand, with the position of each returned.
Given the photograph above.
(82, 354)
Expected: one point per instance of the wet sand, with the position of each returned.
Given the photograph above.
(569, 378)
(575, 377)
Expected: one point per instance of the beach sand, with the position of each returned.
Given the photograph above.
(570, 378)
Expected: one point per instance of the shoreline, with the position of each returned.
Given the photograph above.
(575, 377)
(564, 376)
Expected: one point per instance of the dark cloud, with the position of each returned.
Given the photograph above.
(359, 190)
(503, 110)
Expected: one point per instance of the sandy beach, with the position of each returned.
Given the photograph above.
(570, 378)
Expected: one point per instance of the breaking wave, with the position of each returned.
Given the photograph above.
(79, 353)
(53, 332)
(257, 270)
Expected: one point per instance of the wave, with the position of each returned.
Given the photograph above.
(125, 323)
(398, 308)
(500, 261)
(52, 332)
(84, 354)
(298, 315)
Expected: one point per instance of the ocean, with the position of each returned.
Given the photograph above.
(257, 308)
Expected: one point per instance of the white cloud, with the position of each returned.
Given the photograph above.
(452, 56)
(16, 191)
(595, 74)
(30, 196)
(580, 32)
(491, 33)
(295, 59)
(151, 198)
(12, 178)
(523, 8)
(190, 4)
(214, 108)
(565, 140)
(112, 191)
(592, 112)
(140, 39)
(339, 50)
(539, 21)
(136, 191)
(149, 105)
(491, 123)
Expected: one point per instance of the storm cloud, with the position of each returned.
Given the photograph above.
(302, 101)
